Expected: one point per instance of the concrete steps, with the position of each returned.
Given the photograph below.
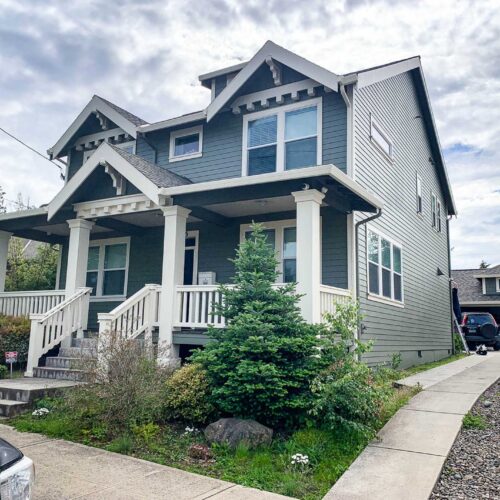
(9, 408)
(59, 373)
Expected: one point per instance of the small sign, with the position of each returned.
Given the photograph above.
(11, 357)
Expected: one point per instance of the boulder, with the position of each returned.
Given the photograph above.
(235, 431)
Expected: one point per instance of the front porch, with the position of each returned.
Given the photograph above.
(151, 268)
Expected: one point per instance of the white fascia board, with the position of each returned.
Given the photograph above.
(174, 122)
(270, 49)
(222, 71)
(484, 276)
(19, 214)
(103, 154)
(482, 303)
(95, 104)
(376, 75)
(253, 180)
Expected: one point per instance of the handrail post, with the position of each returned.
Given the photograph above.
(105, 321)
(34, 344)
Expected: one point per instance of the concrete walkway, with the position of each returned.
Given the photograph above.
(67, 470)
(406, 459)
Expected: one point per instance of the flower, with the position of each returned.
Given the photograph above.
(299, 459)
(41, 412)
(190, 430)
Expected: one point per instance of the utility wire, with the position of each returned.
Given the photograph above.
(34, 151)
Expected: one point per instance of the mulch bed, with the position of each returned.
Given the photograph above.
(472, 470)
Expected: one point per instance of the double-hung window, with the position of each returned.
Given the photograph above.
(438, 215)
(434, 210)
(107, 267)
(385, 276)
(282, 237)
(283, 138)
(186, 143)
(419, 195)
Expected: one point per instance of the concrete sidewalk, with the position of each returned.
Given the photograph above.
(67, 470)
(406, 459)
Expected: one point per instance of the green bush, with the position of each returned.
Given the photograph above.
(15, 336)
(4, 371)
(260, 366)
(458, 346)
(346, 395)
(188, 395)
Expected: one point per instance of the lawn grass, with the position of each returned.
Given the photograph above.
(433, 364)
(268, 468)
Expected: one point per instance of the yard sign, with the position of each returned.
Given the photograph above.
(10, 359)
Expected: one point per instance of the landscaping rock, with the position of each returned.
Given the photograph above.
(200, 452)
(235, 431)
(487, 403)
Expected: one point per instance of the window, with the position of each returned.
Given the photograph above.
(186, 143)
(498, 284)
(439, 228)
(282, 139)
(419, 195)
(380, 138)
(434, 210)
(282, 237)
(385, 277)
(107, 267)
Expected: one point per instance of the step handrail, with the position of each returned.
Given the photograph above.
(60, 322)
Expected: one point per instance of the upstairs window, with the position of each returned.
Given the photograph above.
(434, 217)
(385, 276)
(381, 139)
(186, 143)
(419, 195)
(438, 222)
(282, 139)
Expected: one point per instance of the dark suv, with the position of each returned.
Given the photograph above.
(481, 328)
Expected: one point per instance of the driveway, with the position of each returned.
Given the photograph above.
(67, 470)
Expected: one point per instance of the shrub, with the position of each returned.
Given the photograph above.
(471, 421)
(260, 366)
(4, 371)
(345, 393)
(15, 336)
(188, 395)
(458, 346)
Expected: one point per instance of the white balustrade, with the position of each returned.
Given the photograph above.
(32, 302)
(330, 296)
(195, 306)
(48, 329)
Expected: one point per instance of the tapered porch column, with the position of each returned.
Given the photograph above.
(309, 252)
(4, 248)
(78, 253)
(174, 243)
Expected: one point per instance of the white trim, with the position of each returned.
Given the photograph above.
(498, 284)
(198, 129)
(434, 210)
(174, 122)
(253, 180)
(279, 54)
(480, 276)
(483, 284)
(118, 205)
(96, 104)
(393, 243)
(58, 270)
(374, 124)
(101, 244)
(375, 75)
(223, 71)
(419, 197)
(280, 139)
(196, 236)
(439, 222)
(104, 154)
(384, 300)
(19, 214)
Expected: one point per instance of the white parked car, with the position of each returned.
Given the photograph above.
(17, 473)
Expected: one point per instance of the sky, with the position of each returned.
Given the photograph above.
(146, 57)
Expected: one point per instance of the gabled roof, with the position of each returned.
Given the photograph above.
(489, 272)
(146, 176)
(470, 289)
(277, 53)
(125, 120)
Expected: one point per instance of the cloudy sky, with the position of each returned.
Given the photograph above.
(145, 56)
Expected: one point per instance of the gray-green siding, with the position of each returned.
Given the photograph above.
(424, 322)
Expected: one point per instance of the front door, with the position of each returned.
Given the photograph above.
(191, 258)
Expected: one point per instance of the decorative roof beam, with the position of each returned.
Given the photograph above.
(275, 68)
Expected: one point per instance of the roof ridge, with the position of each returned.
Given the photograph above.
(136, 120)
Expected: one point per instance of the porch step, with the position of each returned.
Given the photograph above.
(59, 373)
(9, 408)
(76, 352)
(68, 362)
(85, 343)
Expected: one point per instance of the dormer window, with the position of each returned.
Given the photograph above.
(186, 143)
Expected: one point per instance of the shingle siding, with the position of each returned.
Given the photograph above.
(424, 322)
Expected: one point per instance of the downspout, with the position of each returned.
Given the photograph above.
(452, 312)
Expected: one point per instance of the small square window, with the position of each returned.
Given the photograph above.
(381, 139)
(186, 143)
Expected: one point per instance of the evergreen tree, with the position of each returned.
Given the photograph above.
(484, 265)
(260, 366)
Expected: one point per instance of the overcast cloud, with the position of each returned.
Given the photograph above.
(146, 55)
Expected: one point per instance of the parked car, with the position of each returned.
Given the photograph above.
(481, 328)
(17, 473)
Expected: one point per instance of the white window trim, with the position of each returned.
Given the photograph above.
(439, 222)
(279, 226)
(98, 297)
(280, 143)
(498, 285)
(420, 198)
(198, 129)
(374, 124)
(196, 236)
(380, 297)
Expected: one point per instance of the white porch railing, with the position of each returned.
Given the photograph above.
(60, 322)
(32, 302)
(330, 296)
(137, 315)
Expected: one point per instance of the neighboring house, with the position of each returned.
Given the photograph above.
(479, 290)
(345, 172)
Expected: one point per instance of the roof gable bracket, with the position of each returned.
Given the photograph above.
(275, 68)
(119, 182)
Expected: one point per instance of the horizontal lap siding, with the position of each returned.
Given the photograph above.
(424, 322)
(334, 248)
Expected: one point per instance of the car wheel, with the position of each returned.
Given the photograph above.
(488, 332)
(496, 346)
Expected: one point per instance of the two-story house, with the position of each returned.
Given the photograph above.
(345, 172)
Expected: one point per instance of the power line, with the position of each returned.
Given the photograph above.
(34, 150)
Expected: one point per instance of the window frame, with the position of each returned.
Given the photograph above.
(375, 124)
(101, 244)
(498, 285)
(176, 134)
(279, 227)
(380, 297)
(439, 223)
(420, 198)
(280, 112)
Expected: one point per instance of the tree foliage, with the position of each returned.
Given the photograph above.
(483, 265)
(31, 273)
(260, 366)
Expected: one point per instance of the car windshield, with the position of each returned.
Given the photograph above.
(8, 455)
(479, 319)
